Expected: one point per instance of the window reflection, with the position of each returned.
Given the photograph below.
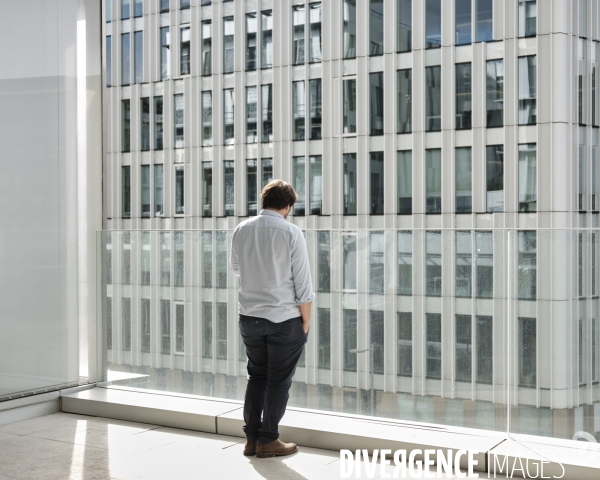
(463, 179)
(495, 178)
(433, 23)
(376, 27)
(433, 99)
(404, 172)
(404, 25)
(349, 184)
(376, 179)
(495, 93)
(349, 28)
(433, 180)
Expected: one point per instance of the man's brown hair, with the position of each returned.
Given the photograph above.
(278, 195)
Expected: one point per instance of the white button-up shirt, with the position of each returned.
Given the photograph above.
(269, 255)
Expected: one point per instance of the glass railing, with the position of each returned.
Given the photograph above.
(490, 329)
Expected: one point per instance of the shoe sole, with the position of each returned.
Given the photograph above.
(249, 454)
(268, 455)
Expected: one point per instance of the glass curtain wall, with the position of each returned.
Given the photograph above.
(299, 22)
(527, 18)
(266, 32)
(464, 106)
(125, 58)
(158, 191)
(315, 18)
(184, 51)
(138, 58)
(251, 187)
(433, 180)
(206, 48)
(433, 23)
(207, 119)
(299, 184)
(376, 101)
(228, 44)
(228, 188)
(349, 28)
(165, 53)
(299, 109)
(207, 196)
(145, 124)
(228, 117)
(251, 41)
(463, 180)
(125, 126)
(267, 113)
(485, 20)
(463, 22)
(179, 120)
(376, 27)
(158, 123)
(349, 106)
(251, 115)
(495, 93)
(528, 177)
(376, 175)
(315, 185)
(349, 184)
(404, 172)
(315, 108)
(179, 191)
(527, 90)
(495, 178)
(404, 25)
(433, 99)
(405, 101)
(145, 190)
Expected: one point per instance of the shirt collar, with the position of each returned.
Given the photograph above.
(271, 213)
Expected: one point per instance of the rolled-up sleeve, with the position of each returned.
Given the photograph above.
(233, 257)
(301, 270)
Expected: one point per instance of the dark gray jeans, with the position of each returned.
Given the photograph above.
(273, 351)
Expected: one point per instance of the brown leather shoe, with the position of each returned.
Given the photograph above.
(276, 448)
(250, 448)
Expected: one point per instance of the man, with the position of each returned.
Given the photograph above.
(269, 255)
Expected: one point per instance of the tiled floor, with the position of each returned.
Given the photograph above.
(76, 447)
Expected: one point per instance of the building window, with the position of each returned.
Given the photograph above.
(228, 117)
(595, 349)
(433, 180)
(463, 347)
(299, 184)
(315, 185)
(315, 106)
(126, 259)
(251, 115)
(206, 48)
(179, 121)
(349, 259)
(228, 188)
(324, 338)
(145, 260)
(158, 123)
(165, 327)
(108, 60)
(433, 99)
(582, 170)
(484, 346)
(583, 18)
(266, 32)
(145, 190)
(434, 346)
(485, 264)
(377, 340)
(404, 182)
(349, 106)
(405, 344)
(267, 113)
(376, 263)
(495, 178)
(527, 269)
(138, 60)
(251, 187)
(464, 265)
(495, 93)
(350, 340)
(527, 18)
(405, 101)
(405, 263)
(349, 29)
(165, 53)
(463, 17)
(206, 119)
(594, 192)
(404, 25)
(595, 60)
(266, 172)
(376, 174)
(315, 13)
(251, 39)
(528, 177)
(527, 352)
(184, 65)
(376, 102)
(207, 327)
(108, 262)
(125, 58)
(207, 189)
(376, 27)
(165, 259)
(485, 20)
(145, 124)
(464, 104)
(433, 23)
(222, 331)
(581, 81)
(463, 179)
(183, 4)
(228, 44)
(108, 6)
(145, 327)
(527, 90)
(126, 324)
(179, 191)
(164, 5)
(179, 328)
(125, 9)
(323, 262)
(207, 259)
(158, 191)
(299, 20)
(299, 109)
(126, 191)
(434, 264)
(349, 183)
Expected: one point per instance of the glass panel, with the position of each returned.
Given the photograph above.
(108, 5)
(315, 12)
(266, 172)
(251, 115)
(158, 123)
(165, 259)
(583, 18)
(125, 59)
(315, 185)
(495, 178)
(251, 39)
(323, 262)
(350, 340)
(207, 119)
(434, 264)
(138, 61)
(527, 352)
(528, 177)
(145, 190)
(207, 197)
(222, 330)
(165, 53)
(377, 176)
(463, 22)
(527, 90)
(433, 99)
(595, 60)
(145, 330)
(299, 19)
(228, 117)
(125, 9)
(404, 173)
(527, 18)
(206, 48)
(228, 188)
(165, 327)
(349, 28)
(185, 51)
(434, 346)
(594, 192)
(139, 8)
(145, 262)
(126, 324)
(495, 93)
(349, 259)
(207, 259)
(463, 354)
(433, 23)
(299, 109)
(349, 182)
(178, 120)
(251, 187)
(164, 5)
(376, 250)
(179, 270)
(527, 266)
(405, 101)
(433, 181)
(485, 264)
(228, 44)
(267, 39)
(349, 106)
(405, 344)
(485, 20)
(484, 329)
(179, 191)
(377, 340)
(324, 338)
(581, 81)
(463, 179)
(376, 102)
(299, 184)
(207, 329)
(464, 105)
(267, 112)
(108, 60)
(405, 263)
(221, 257)
(376, 27)
(126, 191)
(179, 326)
(315, 109)
(145, 124)
(404, 26)
(126, 258)
(464, 265)
(158, 191)
(582, 167)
